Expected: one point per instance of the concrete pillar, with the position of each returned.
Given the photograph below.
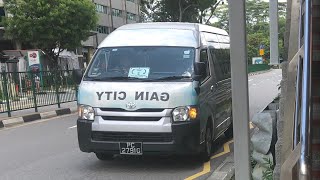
(293, 46)
(287, 32)
(239, 77)
(288, 86)
(274, 40)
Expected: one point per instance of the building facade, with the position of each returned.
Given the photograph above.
(112, 14)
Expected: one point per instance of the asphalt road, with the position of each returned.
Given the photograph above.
(263, 88)
(48, 149)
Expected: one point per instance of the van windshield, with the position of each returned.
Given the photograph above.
(142, 63)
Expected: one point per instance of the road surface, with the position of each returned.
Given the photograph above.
(263, 88)
(48, 149)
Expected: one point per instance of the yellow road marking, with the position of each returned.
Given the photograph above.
(206, 166)
(226, 149)
(206, 169)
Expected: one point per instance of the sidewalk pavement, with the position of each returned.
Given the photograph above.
(225, 171)
(28, 115)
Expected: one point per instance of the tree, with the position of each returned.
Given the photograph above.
(200, 11)
(257, 18)
(175, 11)
(148, 9)
(50, 25)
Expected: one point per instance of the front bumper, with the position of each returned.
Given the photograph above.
(184, 139)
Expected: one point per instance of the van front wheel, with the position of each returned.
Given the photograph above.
(206, 153)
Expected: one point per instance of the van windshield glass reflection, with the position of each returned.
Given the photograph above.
(142, 63)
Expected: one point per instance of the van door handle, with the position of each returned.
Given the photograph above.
(214, 87)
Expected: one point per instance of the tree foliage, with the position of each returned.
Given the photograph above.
(178, 10)
(50, 24)
(257, 18)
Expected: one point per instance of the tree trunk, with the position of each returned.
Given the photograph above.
(180, 11)
(53, 59)
(56, 58)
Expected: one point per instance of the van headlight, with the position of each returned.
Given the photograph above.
(184, 113)
(86, 112)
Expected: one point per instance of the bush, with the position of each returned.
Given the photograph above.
(258, 67)
(268, 173)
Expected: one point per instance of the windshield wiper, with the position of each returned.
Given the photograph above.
(134, 78)
(173, 78)
(113, 78)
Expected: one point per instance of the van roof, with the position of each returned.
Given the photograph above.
(159, 34)
(174, 25)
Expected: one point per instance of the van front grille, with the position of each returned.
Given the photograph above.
(131, 137)
(129, 118)
(138, 110)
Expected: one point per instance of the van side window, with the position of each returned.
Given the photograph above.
(216, 64)
(204, 58)
(221, 62)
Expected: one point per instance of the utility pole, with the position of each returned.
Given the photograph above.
(240, 99)
(274, 39)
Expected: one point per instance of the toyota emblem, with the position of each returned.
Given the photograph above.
(131, 105)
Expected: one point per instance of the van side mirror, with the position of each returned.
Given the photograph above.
(200, 70)
(77, 75)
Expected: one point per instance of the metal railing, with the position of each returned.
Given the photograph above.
(298, 164)
(304, 163)
(25, 90)
(303, 105)
(297, 113)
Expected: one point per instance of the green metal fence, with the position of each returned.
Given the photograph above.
(25, 90)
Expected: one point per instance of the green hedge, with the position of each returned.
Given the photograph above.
(258, 67)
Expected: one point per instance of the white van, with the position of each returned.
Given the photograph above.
(156, 88)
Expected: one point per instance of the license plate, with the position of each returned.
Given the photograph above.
(130, 148)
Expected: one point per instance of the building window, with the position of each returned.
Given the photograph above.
(131, 16)
(101, 8)
(131, 1)
(103, 29)
(116, 12)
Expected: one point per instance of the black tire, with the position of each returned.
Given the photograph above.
(205, 155)
(229, 132)
(104, 156)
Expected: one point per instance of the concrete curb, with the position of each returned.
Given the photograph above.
(36, 116)
(225, 171)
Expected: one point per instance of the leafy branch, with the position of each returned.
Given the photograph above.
(268, 173)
